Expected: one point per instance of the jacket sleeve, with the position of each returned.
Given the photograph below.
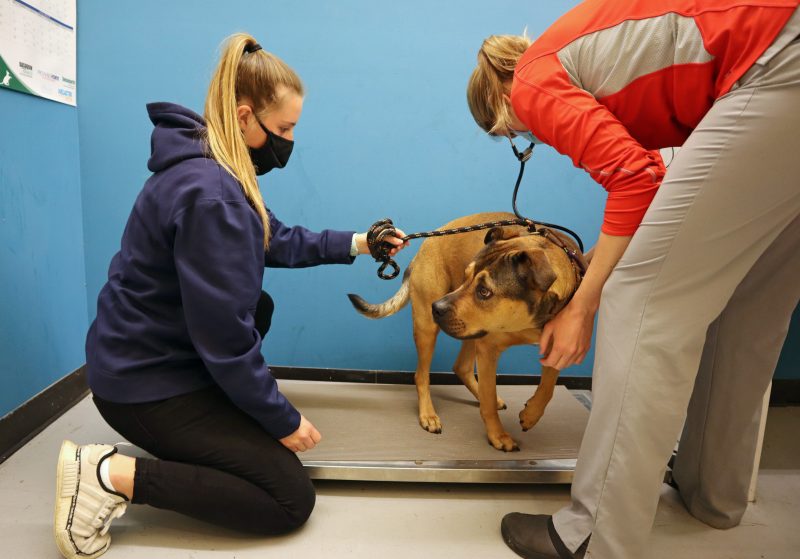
(218, 252)
(575, 124)
(297, 247)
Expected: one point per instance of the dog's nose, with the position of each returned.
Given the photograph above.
(440, 308)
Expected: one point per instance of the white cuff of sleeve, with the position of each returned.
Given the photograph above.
(353, 246)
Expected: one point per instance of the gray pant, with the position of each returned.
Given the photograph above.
(694, 316)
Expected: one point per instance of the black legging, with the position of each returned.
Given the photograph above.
(215, 463)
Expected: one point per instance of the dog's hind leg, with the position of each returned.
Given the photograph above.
(464, 368)
(425, 332)
(534, 407)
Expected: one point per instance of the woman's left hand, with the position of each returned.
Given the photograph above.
(363, 247)
(567, 337)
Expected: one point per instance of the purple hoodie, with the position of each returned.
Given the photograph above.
(176, 314)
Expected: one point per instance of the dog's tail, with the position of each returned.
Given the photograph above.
(388, 307)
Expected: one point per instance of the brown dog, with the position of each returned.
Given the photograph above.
(492, 290)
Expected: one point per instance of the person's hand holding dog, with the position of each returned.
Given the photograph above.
(568, 336)
(305, 438)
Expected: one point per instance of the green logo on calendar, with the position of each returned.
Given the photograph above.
(9, 80)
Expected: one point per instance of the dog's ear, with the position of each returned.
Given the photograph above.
(536, 268)
(549, 305)
(469, 270)
(499, 234)
(493, 235)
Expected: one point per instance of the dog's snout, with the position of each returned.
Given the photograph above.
(440, 308)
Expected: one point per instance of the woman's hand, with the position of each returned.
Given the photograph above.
(363, 247)
(567, 338)
(305, 438)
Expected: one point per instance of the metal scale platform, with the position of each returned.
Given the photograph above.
(371, 433)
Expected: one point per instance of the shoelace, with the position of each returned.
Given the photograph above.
(109, 511)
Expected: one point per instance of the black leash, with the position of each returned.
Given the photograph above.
(522, 158)
(379, 248)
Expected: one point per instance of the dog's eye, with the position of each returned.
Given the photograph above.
(483, 292)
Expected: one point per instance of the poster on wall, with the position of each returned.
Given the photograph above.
(37, 48)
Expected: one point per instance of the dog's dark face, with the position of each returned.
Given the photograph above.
(505, 290)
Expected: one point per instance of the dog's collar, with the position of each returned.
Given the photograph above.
(577, 263)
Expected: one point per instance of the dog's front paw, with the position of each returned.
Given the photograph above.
(501, 405)
(503, 442)
(529, 417)
(431, 423)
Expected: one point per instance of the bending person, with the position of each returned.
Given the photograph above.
(695, 271)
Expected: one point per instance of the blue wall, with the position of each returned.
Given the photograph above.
(385, 132)
(385, 110)
(42, 281)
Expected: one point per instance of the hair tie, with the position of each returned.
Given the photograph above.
(252, 48)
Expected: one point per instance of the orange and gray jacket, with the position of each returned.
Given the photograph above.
(611, 82)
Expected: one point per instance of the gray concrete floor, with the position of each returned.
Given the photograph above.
(392, 521)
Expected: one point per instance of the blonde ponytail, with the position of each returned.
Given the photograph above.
(259, 77)
(497, 58)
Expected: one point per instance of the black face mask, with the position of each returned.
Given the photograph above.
(273, 154)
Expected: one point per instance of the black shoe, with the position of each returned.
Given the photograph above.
(671, 478)
(533, 536)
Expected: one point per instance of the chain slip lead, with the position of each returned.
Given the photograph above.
(379, 248)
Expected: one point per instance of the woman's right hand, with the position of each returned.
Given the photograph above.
(396, 240)
(305, 438)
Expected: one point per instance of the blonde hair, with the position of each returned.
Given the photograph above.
(497, 58)
(259, 77)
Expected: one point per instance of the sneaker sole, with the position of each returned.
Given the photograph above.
(66, 492)
(68, 475)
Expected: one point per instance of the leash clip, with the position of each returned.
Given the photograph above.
(525, 154)
(532, 226)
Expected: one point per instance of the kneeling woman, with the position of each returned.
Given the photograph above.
(174, 356)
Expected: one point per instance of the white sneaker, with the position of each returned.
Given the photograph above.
(85, 507)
